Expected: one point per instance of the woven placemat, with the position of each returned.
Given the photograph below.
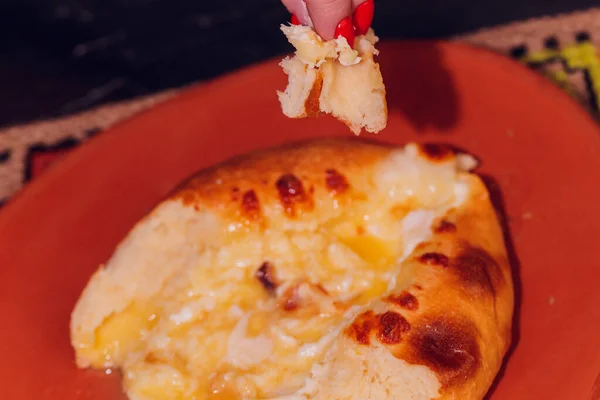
(561, 47)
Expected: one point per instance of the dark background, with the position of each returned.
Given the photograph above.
(63, 56)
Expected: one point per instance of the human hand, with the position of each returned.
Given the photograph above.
(332, 18)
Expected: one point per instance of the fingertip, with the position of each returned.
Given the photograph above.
(298, 9)
(326, 15)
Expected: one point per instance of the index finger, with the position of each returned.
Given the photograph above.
(327, 14)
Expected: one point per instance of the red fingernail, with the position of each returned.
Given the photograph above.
(294, 20)
(345, 29)
(363, 16)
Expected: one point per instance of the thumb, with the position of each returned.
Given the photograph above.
(327, 14)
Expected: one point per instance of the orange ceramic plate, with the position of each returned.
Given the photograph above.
(540, 148)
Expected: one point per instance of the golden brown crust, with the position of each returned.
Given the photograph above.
(287, 177)
(462, 285)
(477, 286)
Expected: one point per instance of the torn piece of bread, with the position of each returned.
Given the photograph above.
(321, 270)
(333, 78)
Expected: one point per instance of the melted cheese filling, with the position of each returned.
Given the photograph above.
(253, 316)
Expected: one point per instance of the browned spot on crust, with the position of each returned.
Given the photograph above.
(418, 287)
(477, 270)
(361, 328)
(235, 193)
(187, 197)
(291, 193)
(437, 259)
(312, 105)
(445, 227)
(335, 181)
(267, 277)
(391, 327)
(436, 152)
(449, 347)
(360, 230)
(251, 205)
(405, 300)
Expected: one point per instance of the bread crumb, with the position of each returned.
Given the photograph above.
(551, 300)
(527, 215)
